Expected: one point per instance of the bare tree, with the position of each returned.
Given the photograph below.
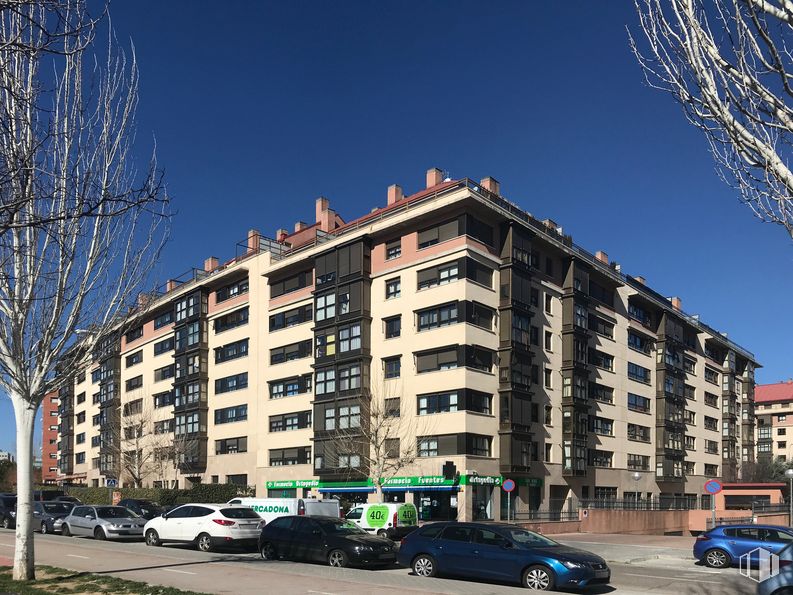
(82, 227)
(728, 63)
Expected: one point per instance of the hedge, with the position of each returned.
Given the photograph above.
(210, 493)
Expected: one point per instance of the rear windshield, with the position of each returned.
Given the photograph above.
(114, 512)
(9, 502)
(57, 507)
(239, 513)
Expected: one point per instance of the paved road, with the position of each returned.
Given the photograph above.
(242, 573)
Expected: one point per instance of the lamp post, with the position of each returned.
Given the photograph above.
(789, 475)
(636, 477)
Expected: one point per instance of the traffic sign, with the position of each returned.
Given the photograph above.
(508, 485)
(713, 486)
(111, 483)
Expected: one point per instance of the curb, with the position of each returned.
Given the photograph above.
(655, 557)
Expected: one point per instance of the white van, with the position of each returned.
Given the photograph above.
(272, 508)
(389, 519)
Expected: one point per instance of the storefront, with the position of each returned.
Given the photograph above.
(481, 488)
(297, 488)
(348, 493)
(435, 497)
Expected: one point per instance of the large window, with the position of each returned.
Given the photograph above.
(163, 346)
(281, 457)
(437, 403)
(350, 337)
(437, 316)
(601, 360)
(231, 351)
(602, 426)
(163, 319)
(393, 288)
(231, 445)
(639, 433)
(444, 359)
(164, 373)
(428, 447)
(349, 417)
(230, 291)
(134, 383)
(288, 387)
(135, 358)
(325, 381)
(438, 233)
(134, 334)
(393, 327)
(438, 275)
(229, 415)
(600, 458)
(639, 342)
(231, 320)
(291, 317)
(290, 421)
(231, 383)
(290, 352)
(638, 373)
(163, 399)
(290, 284)
(601, 326)
(601, 393)
(638, 403)
(325, 306)
(350, 377)
(638, 462)
(392, 367)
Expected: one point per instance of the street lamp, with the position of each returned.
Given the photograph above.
(636, 477)
(789, 475)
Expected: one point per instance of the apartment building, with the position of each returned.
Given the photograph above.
(486, 336)
(774, 404)
(49, 438)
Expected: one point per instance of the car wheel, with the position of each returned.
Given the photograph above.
(539, 578)
(99, 534)
(44, 528)
(783, 591)
(65, 531)
(382, 533)
(6, 523)
(204, 542)
(424, 565)
(716, 558)
(268, 551)
(152, 538)
(338, 559)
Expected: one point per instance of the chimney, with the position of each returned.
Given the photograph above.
(677, 303)
(602, 256)
(210, 264)
(300, 226)
(143, 300)
(641, 280)
(434, 177)
(171, 284)
(281, 234)
(491, 184)
(323, 204)
(395, 194)
(253, 240)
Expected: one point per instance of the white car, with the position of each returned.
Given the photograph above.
(206, 525)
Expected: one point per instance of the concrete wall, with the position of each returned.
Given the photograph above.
(634, 522)
(698, 519)
(553, 527)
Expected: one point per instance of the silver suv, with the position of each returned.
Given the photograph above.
(103, 522)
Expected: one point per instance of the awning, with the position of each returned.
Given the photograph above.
(421, 489)
(364, 489)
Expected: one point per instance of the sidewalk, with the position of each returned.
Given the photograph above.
(631, 549)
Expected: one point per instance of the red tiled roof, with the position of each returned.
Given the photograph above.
(774, 393)
(747, 486)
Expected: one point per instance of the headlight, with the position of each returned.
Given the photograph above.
(12, 513)
(115, 525)
(57, 522)
(570, 564)
(362, 548)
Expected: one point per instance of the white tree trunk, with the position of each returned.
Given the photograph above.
(24, 569)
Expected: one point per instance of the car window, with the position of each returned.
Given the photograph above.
(304, 526)
(530, 538)
(340, 527)
(457, 533)
(235, 501)
(355, 513)
(729, 532)
(89, 513)
(239, 513)
(283, 523)
(775, 535)
(55, 507)
(8, 502)
(114, 512)
(197, 511)
(488, 537)
(746, 533)
(79, 510)
(431, 531)
(180, 513)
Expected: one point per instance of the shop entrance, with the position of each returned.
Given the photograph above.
(435, 505)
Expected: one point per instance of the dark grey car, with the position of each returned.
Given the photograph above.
(48, 516)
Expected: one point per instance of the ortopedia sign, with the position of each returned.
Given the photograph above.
(289, 484)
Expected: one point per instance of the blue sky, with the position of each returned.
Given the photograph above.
(261, 107)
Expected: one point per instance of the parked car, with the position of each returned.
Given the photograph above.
(723, 546)
(206, 525)
(8, 511)
(48, 516)
(272, 508)
(388, 519)
(782, 583)
(327, 539)
(144, 508)
(70, 499)
(102, 522)
(500, 552)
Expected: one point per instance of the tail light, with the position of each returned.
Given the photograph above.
(703, 538)
(301, 511)
(783, 563)
(401, 542)
(341, 513)
(394, 520)
(262, 524)
(223, 522)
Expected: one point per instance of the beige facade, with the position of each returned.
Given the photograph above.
(513, 353)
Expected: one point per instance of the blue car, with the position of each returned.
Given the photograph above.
(500, 552)
(723, 546)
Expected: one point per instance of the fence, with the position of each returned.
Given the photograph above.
(671, 503)
(747, 520)
(770, 508)
(545, 515)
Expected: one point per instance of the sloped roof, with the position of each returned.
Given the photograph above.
(774, 393)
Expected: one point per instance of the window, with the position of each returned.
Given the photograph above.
(350, 377)
(393, 249)
(134, 383)
(231, 383)
(438, 275)
(711, 375)
(639, 342)
(479, 445)
(428, 447)
(231, 351)
(601, 326)
(163, 319)
(548, 418)
(80, 438)
(638, 373)
(231, 291)
(690, 417)
(392, 367)
(639, 313)
(639, 433)
(290, 421)
(290, 352)
(690, 365)
(600, 458)
(97, 440)
(349, 461)
(288, 387)
(291, 317)
(163, 346)
(392, 407)
(290, 456)
(326, 381)
(548, 341)
(350, 337)
(393, 327)
(393, 288)
(601, 360)
(711, 446)
(638, 462)
(134, 334)
(534, 297)
(231, 320)
(133, 407)
(325, 307)
(164, 373)
(325, 342)
(349, 417)
(781, 432)
(601, 393)
(444, 359)
(231, 414)
(231, 445)
(437, 317)
(79, 458)
(534, 335)
(711, 400)
(781, 444)
(711, 423)
(290, 284)
(603, 426)
(135, 358)
(548, 304)
(547, 373)
(438, 233)
(164, 427)
(437, 403)
(80, 399)
(580, 316)
(457, 533)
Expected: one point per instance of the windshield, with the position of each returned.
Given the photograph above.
(9, 501)
(149, 507)
(114, 512)
(341, 528)
(57, 507)
(529, 538)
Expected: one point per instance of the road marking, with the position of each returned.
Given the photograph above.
(321, 592)
(76, 556)
(674, 580)
(174, 570)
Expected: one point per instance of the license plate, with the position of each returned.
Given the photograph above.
(601, 573)
(386, 556)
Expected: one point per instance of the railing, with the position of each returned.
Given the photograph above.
(544, 516)
(764, 507)
(673, 503)
(729, 521)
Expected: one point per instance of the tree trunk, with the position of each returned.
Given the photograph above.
(24, 560)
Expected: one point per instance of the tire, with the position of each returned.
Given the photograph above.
(716, 558)
(268, 551)
(152, 538)
(338, 559)
(382, 533)
(44, 528)
(6, 523)
(424, 565)
(99, 534)
(539, 578)
(65, 531)
(204, 542)
(783, 591)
